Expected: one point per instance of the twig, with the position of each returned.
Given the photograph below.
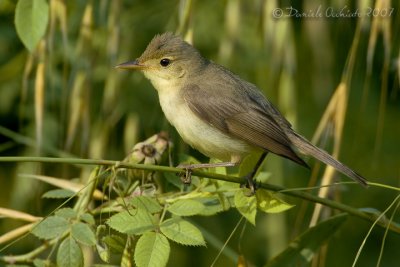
(298, 194)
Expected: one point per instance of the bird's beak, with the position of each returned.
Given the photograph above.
(131, 65)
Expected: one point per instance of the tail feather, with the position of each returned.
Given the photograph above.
(307, 148)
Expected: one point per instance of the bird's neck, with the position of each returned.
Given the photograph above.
(163, 85)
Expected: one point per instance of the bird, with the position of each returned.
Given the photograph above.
(220, 114)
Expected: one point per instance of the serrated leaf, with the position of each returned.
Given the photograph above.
(182, 232)
(270, 203)
(301, 251)
(149, 204)
(69, 254)
(186, 207)
(66, 213)
(246, 205)
(82, 233)
(86, 217)
(134, 221)
(31, 18)
(58, 193)
(152, 249)
(51, 227)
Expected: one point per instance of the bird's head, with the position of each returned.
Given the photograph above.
(167, 58)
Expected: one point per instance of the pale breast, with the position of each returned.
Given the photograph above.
(197, 133)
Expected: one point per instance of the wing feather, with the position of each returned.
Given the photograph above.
(242, 118)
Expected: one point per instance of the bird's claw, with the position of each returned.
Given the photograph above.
(186, 177)
(251, 184)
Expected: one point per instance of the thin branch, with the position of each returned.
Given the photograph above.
(297, 194)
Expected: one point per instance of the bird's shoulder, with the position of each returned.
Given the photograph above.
(226, 90)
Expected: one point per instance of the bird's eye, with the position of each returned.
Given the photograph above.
(165, 62)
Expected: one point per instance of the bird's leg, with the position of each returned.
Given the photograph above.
(187, 177)
(250, 176)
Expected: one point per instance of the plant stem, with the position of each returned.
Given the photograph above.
(229, 178)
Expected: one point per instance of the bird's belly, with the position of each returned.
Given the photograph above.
(201, 135)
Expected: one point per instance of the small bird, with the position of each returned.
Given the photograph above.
(217, 112)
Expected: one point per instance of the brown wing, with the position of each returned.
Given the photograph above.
(236, 113)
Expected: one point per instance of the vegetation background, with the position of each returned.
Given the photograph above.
(64, 98)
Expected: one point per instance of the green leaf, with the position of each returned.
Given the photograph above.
(182, 232)
(219, 170)
(248, 164)
(82, 233)
(147, 203)
(246, 205)
(301, 251)
(51, 227)
(66, 213)
(133, 221)
(382, 217)
(59, 193)
(212, 205)
(186, 207)
(115, 243)
(86, 217)
(109, 245)
(69, 254)
(31, 18)
(173, 179)
(42, 263)
(187, 159)
(262, 177)
(270, 203)
(127, 255)
(103, 252)
(152, 249)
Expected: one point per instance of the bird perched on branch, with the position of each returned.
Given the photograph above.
(217, 112)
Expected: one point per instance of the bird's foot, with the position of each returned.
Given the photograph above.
(250, 183)
(186, 177)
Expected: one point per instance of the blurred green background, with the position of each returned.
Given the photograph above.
(86, 108)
